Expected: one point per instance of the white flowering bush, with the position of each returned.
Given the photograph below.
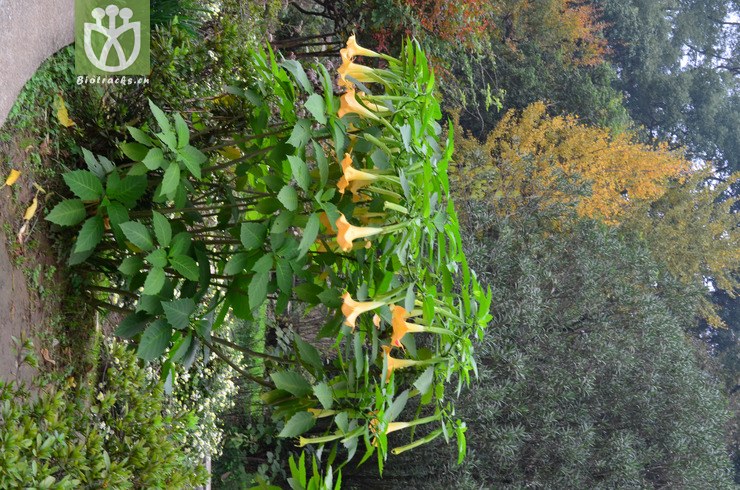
(206, 390)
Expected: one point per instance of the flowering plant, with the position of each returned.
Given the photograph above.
(263, 219)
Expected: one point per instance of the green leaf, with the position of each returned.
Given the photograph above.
(397, 406)
(268, 205)
(92, 164)
(301, 133)
(140, 136)
(178, 312)
(138, 234)
(322, 162)
(324, 395)
(410, 299)
(149, 304)
(300, 172)
(183, 132)
(284, 275)
(117, 214)
(162, 229)
(158, 258)
(296, 69)
(90, 234)
(132, 325)
(288, 197)
(331, 298)
(169, 139)
(264, 264)
(282, 222)
(258, 289)
(154, 281)
(135, 151)
(179, 351)
(292, 382)
(308, 292)
(131, 265)
(315, 105)
(128, 190)
(298, 424)
(424, 382)
(76, 258)
(193, 158)
(137, 168)
(186, 266)
(154, 159)
(180, 244)
(67, 213)
(107, 165)
(84, 184)
(253, 235)
(159, 115)
(154, 340)
(171, 179)
(236, 264)
(310, 232)
(308, 353)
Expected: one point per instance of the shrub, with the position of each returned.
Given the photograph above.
(116, 435)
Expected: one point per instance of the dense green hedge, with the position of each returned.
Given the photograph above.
(116, 435)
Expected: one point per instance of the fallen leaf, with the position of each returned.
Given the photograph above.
(22, 232)
(31, 209)
(63, 113)
(47, 358)
(14, 174)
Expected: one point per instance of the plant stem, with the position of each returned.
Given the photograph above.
(236, 368)
(244, 350)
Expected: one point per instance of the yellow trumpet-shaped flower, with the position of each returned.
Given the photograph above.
(353, 178)
(346, 162)
(351, 309)
(347, 233)
(354, 187)
(394, 363)
(349, 104)
(400, 326)
(391, 427)
(352, 174)
(354, 49)
(360, 73)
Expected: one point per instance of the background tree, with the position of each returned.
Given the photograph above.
(532, 156)
(677, 67)
(694, 232)
(587, 377)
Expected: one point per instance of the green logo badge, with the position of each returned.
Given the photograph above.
(112, 37)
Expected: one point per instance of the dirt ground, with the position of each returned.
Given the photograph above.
(32, 289)
(19, 309)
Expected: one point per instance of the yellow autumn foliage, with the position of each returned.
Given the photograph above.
(531, 157)
(693, 230)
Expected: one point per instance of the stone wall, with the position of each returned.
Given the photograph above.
(30, 32)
